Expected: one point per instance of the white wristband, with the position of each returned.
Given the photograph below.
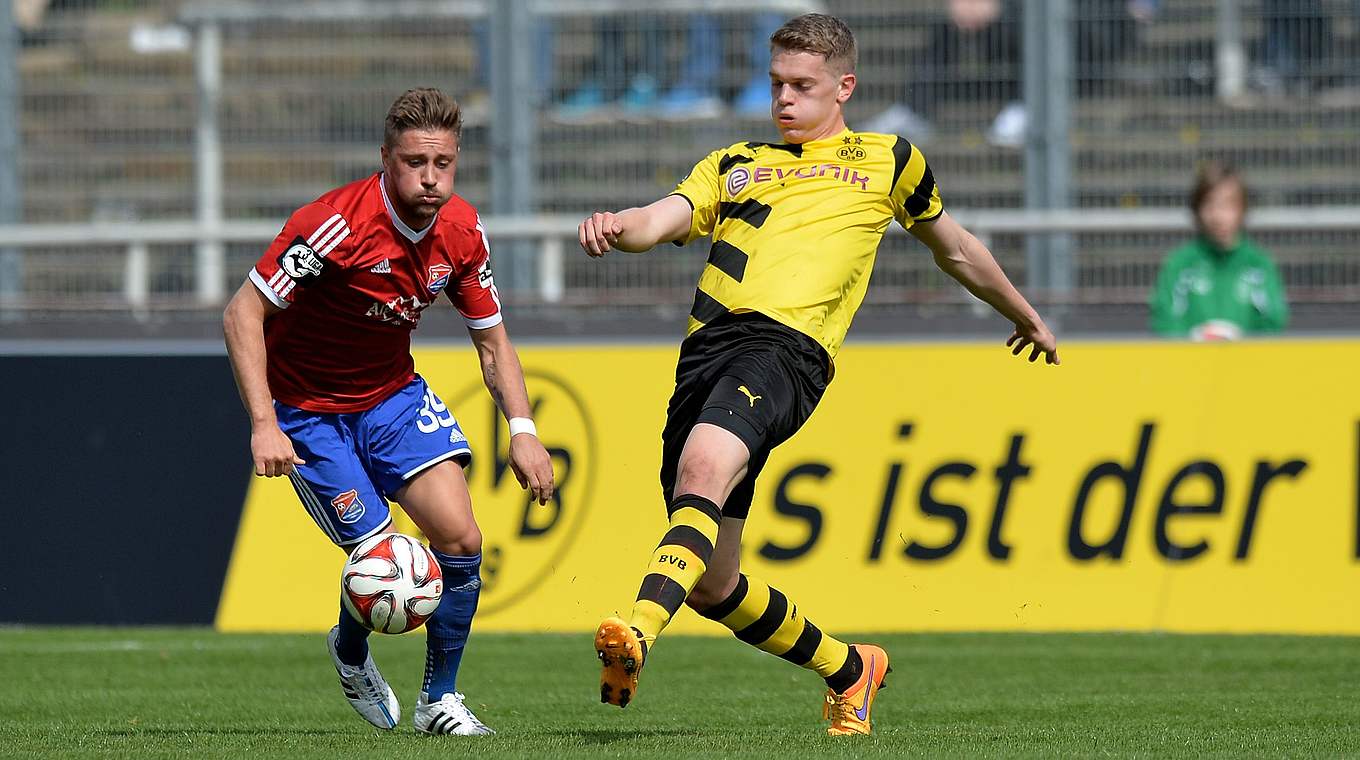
(522, 425)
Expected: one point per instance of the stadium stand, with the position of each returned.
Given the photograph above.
(108, 131)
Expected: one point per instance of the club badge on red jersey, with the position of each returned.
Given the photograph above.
(439, 276)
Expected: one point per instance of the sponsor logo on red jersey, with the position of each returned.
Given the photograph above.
(403, 309)
(439, 276)
(348, 506)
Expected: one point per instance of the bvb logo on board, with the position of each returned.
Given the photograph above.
(523, 542)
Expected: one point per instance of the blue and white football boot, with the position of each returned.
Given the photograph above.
(365, 688)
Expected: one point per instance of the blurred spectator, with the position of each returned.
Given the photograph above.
(698, 90)
(973, 53)
(476, 104)
(1296, 45)
(1219, 286)
(1106, 32)
(28, 20)
(628, 68)
(630, 65)
(28, 14)
(625, 67)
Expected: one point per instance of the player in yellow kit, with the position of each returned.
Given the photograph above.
(795, 226)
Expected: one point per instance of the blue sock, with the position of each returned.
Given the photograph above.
(446, 631)
(351, 641)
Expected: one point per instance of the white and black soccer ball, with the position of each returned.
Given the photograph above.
(391, 583)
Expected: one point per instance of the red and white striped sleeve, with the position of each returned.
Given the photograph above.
(475, 297)
(312, 236)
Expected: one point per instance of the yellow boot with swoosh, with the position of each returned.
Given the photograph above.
(849, 710)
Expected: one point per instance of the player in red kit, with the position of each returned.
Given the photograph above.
(320, 343)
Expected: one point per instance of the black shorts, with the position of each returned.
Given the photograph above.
(752, 376)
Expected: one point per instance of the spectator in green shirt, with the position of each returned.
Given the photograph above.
(1219, 286)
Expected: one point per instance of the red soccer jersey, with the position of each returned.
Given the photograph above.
(352, 280)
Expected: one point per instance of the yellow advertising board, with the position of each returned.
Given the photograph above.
(1138, 486)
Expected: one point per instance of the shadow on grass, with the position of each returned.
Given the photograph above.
(209, 732)
(605, 736)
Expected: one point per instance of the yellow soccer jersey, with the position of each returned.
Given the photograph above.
(795, 227)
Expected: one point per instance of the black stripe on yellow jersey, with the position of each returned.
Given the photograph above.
(795, 228)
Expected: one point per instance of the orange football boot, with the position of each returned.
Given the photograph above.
(622, 651)
(849, 711)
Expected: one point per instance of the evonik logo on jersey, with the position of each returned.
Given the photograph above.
(741, 177)
(737, 180)
(439, 276)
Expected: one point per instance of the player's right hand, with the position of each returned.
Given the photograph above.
(273, 452)
(599, 233)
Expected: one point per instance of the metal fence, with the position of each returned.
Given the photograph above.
(143, 269)
(138, 111)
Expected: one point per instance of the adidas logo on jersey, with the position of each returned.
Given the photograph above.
(382, 267)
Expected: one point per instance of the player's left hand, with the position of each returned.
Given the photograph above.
(1040, 337)
(532, 466)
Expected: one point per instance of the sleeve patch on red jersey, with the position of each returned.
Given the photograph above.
(484, 275)
(300, 261)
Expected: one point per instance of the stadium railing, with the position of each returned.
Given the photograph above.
(147, 266)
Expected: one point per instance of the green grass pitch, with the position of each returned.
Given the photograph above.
(162, 693)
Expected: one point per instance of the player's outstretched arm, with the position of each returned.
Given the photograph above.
(636, 230)
(963, 257)
(243, 328)
(505, 381)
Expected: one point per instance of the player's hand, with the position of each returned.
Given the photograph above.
(532, 466)
(273, 452)
(1039, 339)
(599, 233)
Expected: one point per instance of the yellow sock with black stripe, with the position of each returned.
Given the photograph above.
(764, 618)
(677, 564)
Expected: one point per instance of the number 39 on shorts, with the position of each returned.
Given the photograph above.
(434, 414)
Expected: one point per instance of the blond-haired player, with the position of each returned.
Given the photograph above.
(795, 226)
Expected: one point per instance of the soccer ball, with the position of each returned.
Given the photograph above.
(391, 583)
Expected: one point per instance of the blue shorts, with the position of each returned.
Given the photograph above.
(355, 461)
